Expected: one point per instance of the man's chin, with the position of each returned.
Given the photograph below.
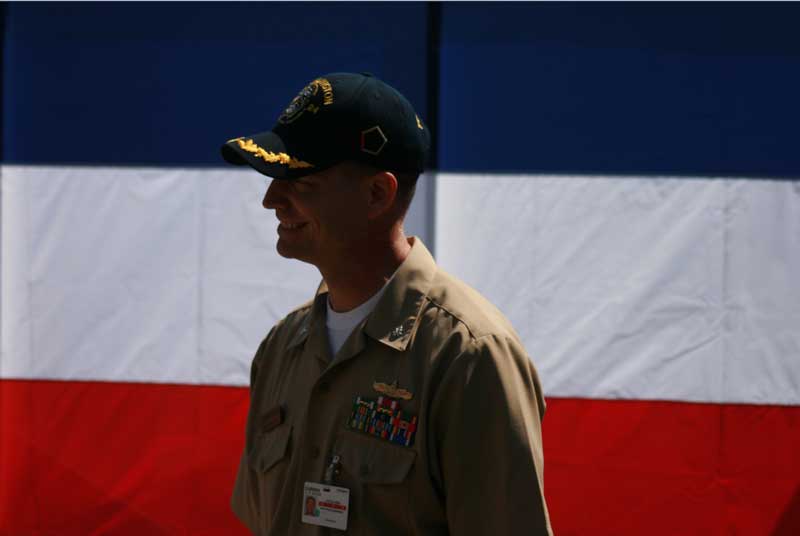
(285, 251)
(288, 252)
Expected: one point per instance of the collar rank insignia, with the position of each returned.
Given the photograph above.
(392, 390)
(396, 333)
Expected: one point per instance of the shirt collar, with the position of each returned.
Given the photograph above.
(393, 321)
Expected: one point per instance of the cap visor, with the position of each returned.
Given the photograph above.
(266, 153)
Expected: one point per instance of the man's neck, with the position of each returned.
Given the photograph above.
(358, 277)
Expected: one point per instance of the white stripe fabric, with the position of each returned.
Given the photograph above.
(144, 274)
(637, 288)
(154, 275)
(621, 287)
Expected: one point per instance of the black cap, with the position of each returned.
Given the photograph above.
(337, 117)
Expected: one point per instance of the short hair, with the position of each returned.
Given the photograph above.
(406, 187)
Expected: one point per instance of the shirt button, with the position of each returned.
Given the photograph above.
(314, 453)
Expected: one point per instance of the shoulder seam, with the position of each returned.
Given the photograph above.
(452, 314)
(474, 338)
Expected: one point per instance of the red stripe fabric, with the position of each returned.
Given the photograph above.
(652, 468)
(84, 458)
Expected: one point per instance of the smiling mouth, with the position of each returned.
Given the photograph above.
(291, 226)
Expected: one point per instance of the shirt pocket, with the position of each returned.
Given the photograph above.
(269, 448)
(268, 457)
(378, 476)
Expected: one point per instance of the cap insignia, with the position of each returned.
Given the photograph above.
(270, 157)
(392, 390)
(316, 94)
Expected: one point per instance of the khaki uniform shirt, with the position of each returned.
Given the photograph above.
(475, 465)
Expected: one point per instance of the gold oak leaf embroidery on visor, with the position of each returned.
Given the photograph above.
(270, 157)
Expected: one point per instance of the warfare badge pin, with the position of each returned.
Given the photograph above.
(392, 390)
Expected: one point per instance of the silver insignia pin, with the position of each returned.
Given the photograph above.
(396, 333)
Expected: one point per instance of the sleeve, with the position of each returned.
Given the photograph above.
(487, 422)
(245, 496)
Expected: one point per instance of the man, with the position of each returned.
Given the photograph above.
(399, 397)
(311, 506)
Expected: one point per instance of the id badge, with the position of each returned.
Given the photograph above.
(325, 505)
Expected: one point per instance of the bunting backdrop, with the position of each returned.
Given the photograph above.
(620, 179)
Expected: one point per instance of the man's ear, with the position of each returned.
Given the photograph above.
(382, 193)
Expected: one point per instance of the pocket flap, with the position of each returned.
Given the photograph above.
(374, 462)
(269, 448)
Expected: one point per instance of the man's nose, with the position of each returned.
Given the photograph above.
(275, 197)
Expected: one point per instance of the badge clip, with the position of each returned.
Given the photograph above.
(332, 470)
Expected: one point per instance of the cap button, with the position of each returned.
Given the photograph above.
(367, 73)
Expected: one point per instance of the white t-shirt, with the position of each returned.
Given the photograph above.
(340, 325)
